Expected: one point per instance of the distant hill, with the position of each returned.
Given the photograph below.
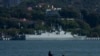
(77, 16)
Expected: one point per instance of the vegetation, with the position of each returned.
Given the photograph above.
(29, 17)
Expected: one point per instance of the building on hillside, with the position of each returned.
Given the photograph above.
(53, 12)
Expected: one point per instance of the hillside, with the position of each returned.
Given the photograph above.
(78, 16)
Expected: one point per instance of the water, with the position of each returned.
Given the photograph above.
(41, 48)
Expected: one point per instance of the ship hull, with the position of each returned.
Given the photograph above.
(56, 37)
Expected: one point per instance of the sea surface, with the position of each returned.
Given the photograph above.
(58, 48)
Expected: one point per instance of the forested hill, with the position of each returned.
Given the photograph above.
(77, 16)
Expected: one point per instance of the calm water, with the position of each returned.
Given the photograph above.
(41, 48)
